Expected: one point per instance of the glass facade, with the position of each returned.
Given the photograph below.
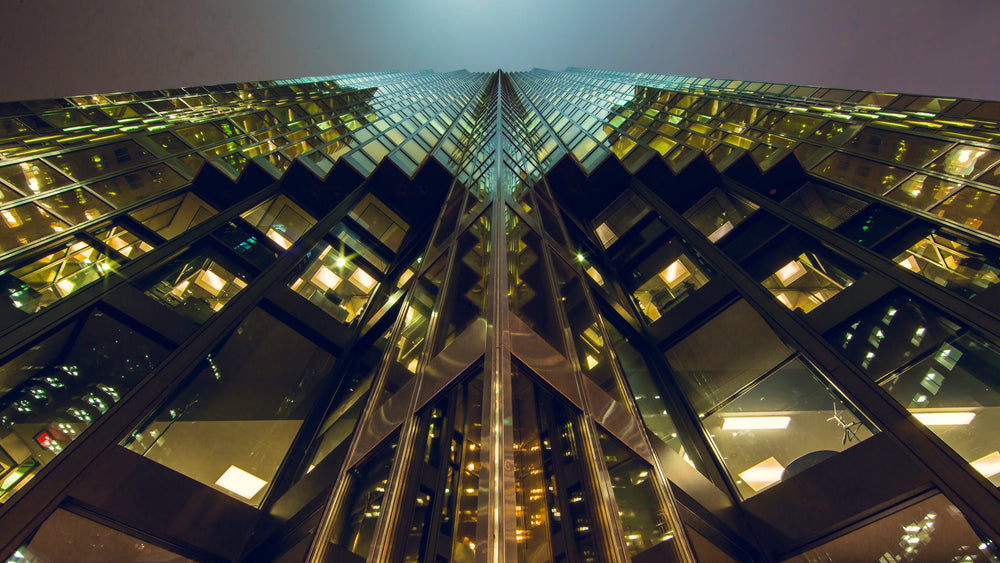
(545, 316)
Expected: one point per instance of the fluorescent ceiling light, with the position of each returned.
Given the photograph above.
(764, 474)
(944, 418)
(362, 279)
(755, 422)
(988, 465)
(325, 278)
(721, 231)
(210, 282)
(240, 482)
(790, 272)
(279, 238)
(675, 273)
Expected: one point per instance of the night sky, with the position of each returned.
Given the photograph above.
(56, 48)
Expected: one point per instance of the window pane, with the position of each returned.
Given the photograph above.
(231, 424)
(89, 163)
(973, 208)
(967, 268)
(195, 284)
(332, 279)
(717, 213)
(58, 387)
(826, 206)
(670, 274)
(280, 220)
(33, 177)
(861, 173)
(136, 186)
(75, 206)
(24, 224)
(46, 280)
(784, 424)
(173, 216)
(365, 500)
(931, 530)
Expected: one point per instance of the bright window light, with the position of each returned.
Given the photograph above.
(988, 465)
(756, 422)
(944, 418)
(764, 474)
(240, 482)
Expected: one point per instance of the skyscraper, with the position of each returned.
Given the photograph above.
(537, 316)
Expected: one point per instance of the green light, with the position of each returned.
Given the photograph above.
(580, 257)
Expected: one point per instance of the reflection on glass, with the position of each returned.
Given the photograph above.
(942, 257)
(280, 220)
(54, 391)
(973, 208)
(89, 163)
(528, 289)
(32, 177)
(554, 520)
(899, 147)
(364, 501)
(383, 224)
(41, 283)
(175, 215)
(709, 378)
(467, 294)
(619, 217)
(231, 424)
(346, 408)
(717, 213)
(650, 400)
(75, 206)
(195, 284)
(136, 186)
(123, 241)
(65, 536)
(930, 531)
(810, 279)
(861, 173)
(965, 161)
(921, 191)
(823, 205)
(247, 243)
(638, 501)
(410, 343)
(783, 424)
(677, 272)
(333, 280)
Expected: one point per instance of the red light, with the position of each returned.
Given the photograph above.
(44, 439)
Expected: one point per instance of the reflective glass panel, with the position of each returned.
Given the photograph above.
(717, 213)
(364, 501)
(231, 424)
(196, 284)
(332, 279)
(175, 215)
(280, 220)
(967, 268)
(44, 281)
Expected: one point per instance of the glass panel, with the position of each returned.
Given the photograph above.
(588, 338)
(619, 217)
(41, 283)
(944, 375)
(195, 284)
(709, 378)
(783, 424)
(929, 531)
(973, 208)
(380, 221)
(638, 501)
(717, 213)
(231, 424)
(921, 191)
(33, 177)
(965, 161)
(58, 387)
(24, 224)
(670, 274)
(649, 398)
(861, 173)
(65, 536)
(824, 205)
(127, 189)
(899, 147)
(364, 249)
(365, 500)
(332, 280)
(967, 268)
(529, 293)
(467, 295)
(802, 273)
(173, 216)
(345, 410)
(411, 340)
(554, 522)
(122, 240)
(86, 164)
(247, 243)
(280, 220)
(75, 206)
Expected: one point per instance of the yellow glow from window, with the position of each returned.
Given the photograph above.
(240, 482)
(988, 465)
(944, 418)
(279, 239)
(325, 279)
(210, 282)
(756, 422)
(674, 274)
(790, 272)
(764, 474)
(362, 279)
